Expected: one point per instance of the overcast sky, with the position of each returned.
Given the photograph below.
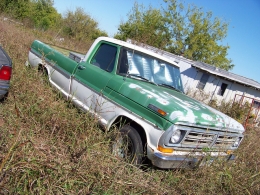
(243, 17)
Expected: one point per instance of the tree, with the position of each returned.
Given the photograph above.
(19, 9)
(146, 26)
(81, 26)
(189, 32)
(44, 15)
(196, 35)
(39, 13)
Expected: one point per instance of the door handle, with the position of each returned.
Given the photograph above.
(81, 67)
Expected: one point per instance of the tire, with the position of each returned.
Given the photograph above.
(128, 146)
(43, 74)
(42, 70)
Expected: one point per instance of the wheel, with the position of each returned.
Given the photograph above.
(43, 74)
(42, 70)
(128, 145)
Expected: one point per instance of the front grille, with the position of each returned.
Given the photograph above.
(208, 139)
(225, 141)
(197, 139)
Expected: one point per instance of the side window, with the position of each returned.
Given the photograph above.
(203, 81)
(105, 57)
(222, 89)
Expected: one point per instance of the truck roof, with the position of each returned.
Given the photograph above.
(131, 46)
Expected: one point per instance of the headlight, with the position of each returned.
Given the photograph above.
(172, 136)
(176, 136)
(237, 142)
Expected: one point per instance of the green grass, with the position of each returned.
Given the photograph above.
(48, 147)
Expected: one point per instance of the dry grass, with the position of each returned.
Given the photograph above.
(49, 147)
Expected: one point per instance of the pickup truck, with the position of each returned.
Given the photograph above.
(141, 93)
(5, 73)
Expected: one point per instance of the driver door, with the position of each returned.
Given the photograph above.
(92, 76)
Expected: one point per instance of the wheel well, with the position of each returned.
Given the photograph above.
(122, 120)
(42, 69)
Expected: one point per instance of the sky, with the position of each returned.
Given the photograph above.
(243, 17)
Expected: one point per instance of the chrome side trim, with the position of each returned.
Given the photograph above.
(61, 71)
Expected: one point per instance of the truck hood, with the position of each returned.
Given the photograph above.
(179, 107)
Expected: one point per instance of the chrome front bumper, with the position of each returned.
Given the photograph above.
(169, 161)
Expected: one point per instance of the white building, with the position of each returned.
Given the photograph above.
(221, 85)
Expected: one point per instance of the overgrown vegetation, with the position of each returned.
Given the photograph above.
(49, 147)
(41, 15)
(239, 110)
(34, 13)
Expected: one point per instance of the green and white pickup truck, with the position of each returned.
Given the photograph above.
(141, 92)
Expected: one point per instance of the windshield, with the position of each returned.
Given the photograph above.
(150, 68)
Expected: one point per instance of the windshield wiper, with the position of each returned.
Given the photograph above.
(170, 86)
(140, 77)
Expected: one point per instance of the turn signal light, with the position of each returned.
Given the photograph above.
(158, 110)
(229, 152)
(161, 112)
(165, 150)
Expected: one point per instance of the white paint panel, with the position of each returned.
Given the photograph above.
(86, 97)
(60, 80)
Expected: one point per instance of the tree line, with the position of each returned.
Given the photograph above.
(186, 31)
(41, 15)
